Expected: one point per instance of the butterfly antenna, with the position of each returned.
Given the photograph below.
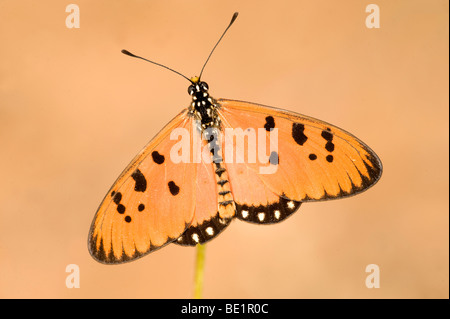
(232, 20)
(139, 57)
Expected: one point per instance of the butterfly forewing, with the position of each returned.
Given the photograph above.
(315, 160)
(151, 203)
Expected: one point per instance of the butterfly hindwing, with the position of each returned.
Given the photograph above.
(315, 160)
(151, 203)
(206, 222)
(209, 220)
(255, 202)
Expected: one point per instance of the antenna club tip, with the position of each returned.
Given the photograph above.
(127, 52)
(235, 15)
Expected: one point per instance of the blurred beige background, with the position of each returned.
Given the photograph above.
(74, 111)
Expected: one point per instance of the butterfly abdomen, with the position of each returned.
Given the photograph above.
(225, 201)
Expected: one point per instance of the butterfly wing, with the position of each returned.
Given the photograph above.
(255, 201)
(314, 160)
(155, 201)
(150, 204)
(208, 222)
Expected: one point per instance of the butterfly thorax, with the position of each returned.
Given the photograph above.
(203, 105)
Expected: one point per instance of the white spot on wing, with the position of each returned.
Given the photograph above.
(244, 213)
(195, 237)
(209, 231)
(291, 205)
(261, 216)
(277, 214)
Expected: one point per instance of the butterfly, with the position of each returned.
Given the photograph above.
(170, 195)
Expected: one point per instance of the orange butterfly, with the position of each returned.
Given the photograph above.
(158, 200)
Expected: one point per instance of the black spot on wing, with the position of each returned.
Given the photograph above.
(141, 182)
(158, 158)
(173, 188)
(270, 123)
(121, 209)
(117, 198)
(312, 157)
(274, 159)
(141, 207)
(330, 158)
(329, 146)
(298, 133)
(327, 135)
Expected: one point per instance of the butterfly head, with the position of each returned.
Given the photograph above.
(202, 103)
(197, 88)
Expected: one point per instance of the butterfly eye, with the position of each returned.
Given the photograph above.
(191, 89)
(204, 86)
